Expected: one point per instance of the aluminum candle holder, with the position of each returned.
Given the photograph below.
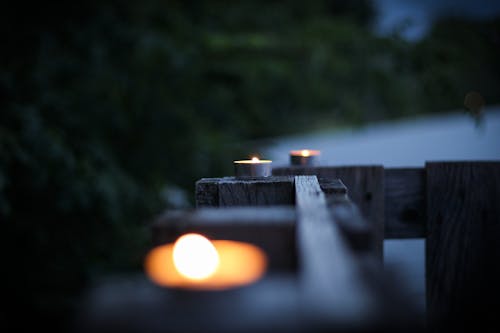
(304, 157)
(254, 168)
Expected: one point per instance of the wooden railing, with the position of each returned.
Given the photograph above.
(316, 238)
(455, 207)
(324, 241)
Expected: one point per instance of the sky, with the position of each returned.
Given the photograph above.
(420, 14)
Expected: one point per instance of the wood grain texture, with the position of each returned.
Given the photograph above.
(365, 185)
(256, 192)
(230, 191)
(358, 233)
(463, 245)
(355, 229)
(405, 205)
(331, 287)
(207, 192)
(270, 228)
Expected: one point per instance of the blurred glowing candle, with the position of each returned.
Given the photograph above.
(194, 262)
(252, 168)
(195, 257)
(304, 157)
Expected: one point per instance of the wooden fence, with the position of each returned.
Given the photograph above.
(455, 206)
(323, 230)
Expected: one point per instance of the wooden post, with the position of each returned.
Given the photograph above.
(230, 191)
(405, 205)
(463, 246)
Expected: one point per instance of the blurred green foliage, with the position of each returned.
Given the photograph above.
(106, 103)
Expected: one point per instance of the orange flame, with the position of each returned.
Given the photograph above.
(239, 264)
(305, 152)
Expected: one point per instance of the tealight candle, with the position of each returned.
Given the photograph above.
(194, 262)
(304, 157)
(252, 168)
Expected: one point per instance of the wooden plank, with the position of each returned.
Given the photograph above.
(135, 305)
(256, 192)
(405, 205)
(271, 228)
(358, 233)
(355, 229)
(332, 186)
(331, 287)
(207, 192)
(463, 247)
(231, 191)
(365, 186)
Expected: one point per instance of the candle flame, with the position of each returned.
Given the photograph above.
(238, 264)
(195, 257)
(305, 152)
(255, 160)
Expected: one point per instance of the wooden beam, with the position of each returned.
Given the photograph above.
(230, 191)
(332, 186)
(405, 204)
(463, 247)
(271, 228)
(355, 229)
(365, 186)
(330, 285)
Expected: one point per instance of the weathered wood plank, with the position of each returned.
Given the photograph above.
(463, 247)
(271, 228)
(135, 305)
(332, 186)
(358, 233)
(331, 287)
(207, 192)
(230, 191)
(256, 192)
(365, 186)
(405, 206)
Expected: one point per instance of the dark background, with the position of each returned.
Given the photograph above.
(106, 107)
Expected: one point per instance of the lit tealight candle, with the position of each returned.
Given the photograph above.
(252, 168)
(194, 262)
(304, 157)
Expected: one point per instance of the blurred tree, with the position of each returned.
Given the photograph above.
(458, 57)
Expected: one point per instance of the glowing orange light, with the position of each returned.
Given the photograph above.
(195, 257)
(305, 152)
(254, 160)
(238, 264)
